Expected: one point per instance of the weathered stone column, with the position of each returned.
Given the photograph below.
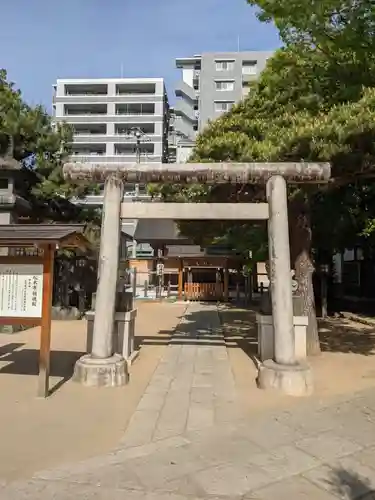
(101, 367)
(283, 373)
(280, 275)
(108, 269)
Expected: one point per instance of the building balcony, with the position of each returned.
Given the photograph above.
(93, 200)
(183, 108)
(183, 89)
(118, 158)
(85, 89)
(103, 119)
(135, 109)
(249, 77)
(185, 128)
(138, 89)
(89, 109)
(128, 128)
(122, 138)
(106, 99)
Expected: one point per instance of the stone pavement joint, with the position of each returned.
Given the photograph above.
(179, 446)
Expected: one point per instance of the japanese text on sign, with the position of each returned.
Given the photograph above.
(21, 290)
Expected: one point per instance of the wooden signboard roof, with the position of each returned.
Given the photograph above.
(64, 235)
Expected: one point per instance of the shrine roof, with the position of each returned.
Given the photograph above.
(64, 235)
(161, 231)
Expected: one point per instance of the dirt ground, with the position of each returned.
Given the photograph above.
(77, 423)
(74, 422)
(346, 365)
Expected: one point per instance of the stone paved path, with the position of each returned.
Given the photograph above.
(189, 440)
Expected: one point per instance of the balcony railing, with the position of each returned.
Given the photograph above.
(135, 112)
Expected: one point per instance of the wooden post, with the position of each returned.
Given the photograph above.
(226, 281)
(134, 281)
(180, 279)
(324, 296)
(45, 326)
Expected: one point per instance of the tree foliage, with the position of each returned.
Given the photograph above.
(29, 135)
(315, 101)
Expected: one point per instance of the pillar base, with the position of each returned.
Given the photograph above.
(101, 372)
(295, 380)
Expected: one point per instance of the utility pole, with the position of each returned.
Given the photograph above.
(140, 137)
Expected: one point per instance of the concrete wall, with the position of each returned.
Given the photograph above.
(209, 74)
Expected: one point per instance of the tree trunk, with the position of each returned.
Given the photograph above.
(300, 229)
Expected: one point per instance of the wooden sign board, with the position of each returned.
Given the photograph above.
(26, 299)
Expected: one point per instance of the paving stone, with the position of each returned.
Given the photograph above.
(156, 470)
(58, 490)
(224, 449)
(267, 432)
(201, 395)
(227, 412)
(283, 462)
(117, 457)
(327, 446)
(309, 422)
(152, 401)
(294, 488)
(361, 432)
(200, 416)
(117, 476)
(141, 428)
(345, 478)
(231, 480)
(365, 457)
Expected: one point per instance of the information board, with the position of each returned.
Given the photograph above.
(21, 290)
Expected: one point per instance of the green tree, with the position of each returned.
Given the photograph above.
(299, 110)
(29, 135)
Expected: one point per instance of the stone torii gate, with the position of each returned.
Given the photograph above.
(102, 366)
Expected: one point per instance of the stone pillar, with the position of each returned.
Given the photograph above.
(280, 275)
(284, 372)
(101, 367)
(108, 269)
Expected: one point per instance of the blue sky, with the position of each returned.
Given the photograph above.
(42, 40)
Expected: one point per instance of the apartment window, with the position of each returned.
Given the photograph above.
(249, 68)
(137, 89)
(224, 85)
(223, 106)
(85, 89)
(224, 65)
(135, 109)
(85, 109)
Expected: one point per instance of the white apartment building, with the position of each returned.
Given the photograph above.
(105, 113)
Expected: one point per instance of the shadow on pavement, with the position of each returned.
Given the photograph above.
(348, 484)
